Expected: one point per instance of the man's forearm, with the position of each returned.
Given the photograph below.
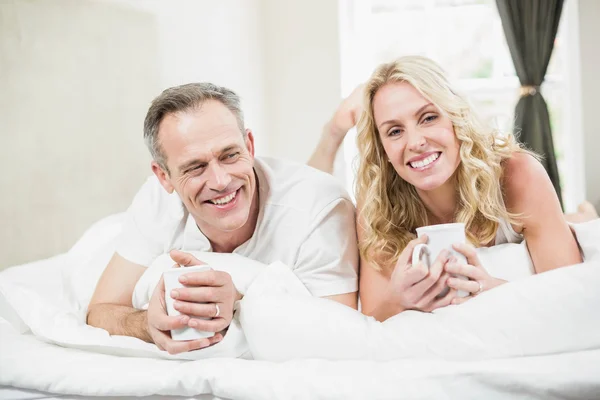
(120, 320)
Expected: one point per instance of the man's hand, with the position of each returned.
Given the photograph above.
(207, 294)
(160, 324)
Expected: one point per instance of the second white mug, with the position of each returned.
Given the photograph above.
(440, 237)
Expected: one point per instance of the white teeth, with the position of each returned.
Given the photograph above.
(224, 200)
(426, 161)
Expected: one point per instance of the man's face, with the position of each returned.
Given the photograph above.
(210, 167)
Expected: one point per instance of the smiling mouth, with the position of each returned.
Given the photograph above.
(426, 161)
(221, 201)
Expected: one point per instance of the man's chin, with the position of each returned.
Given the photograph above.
(226, 225)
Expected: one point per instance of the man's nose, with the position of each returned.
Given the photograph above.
(218, 177)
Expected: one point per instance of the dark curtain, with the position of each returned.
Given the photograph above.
(530, 27)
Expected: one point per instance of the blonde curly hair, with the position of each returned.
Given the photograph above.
(391, 209)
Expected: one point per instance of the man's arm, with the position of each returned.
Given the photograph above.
(110, 307)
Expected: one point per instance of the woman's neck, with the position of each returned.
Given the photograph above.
(440, 203)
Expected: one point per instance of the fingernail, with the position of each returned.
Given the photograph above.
(184, 319)
(174, 294)
(193, 323)
(183, 279)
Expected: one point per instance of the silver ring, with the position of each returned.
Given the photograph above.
(480, 288)
(218, 311)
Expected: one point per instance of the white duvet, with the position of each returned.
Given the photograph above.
(535, 337)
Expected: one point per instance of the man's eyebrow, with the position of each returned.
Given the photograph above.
(229, 148)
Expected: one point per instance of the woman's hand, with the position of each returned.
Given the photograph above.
(347, 114)
(479, 280)
(344, 118)
(417, 287)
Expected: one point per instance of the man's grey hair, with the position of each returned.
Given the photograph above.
(184, 98)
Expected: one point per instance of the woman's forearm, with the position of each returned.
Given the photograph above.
(383, 310)
(324, 154)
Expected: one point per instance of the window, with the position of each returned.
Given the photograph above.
(466, 38)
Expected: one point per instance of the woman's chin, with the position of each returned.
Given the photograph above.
(429, 184)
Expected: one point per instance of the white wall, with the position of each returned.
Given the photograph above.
(302, 73)
(76, 78)
(589, 40)
(214, 41)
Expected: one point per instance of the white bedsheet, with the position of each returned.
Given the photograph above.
(60, 370)
(31, 359)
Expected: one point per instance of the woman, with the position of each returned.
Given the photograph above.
(426, 159)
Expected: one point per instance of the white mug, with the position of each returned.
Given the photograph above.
(440, 237)
(171, 278)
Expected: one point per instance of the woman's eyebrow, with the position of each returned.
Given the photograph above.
(422, 108)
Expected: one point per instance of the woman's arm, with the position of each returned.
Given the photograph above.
(529, 192)
(344, 119)
(372, 291)
(323, 156)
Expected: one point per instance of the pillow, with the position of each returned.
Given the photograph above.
(511, 261)
(88, 258)
(508, 261)
(588, 238)
(546, 313)
(55, 321)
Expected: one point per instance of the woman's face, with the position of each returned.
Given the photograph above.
(418, 140)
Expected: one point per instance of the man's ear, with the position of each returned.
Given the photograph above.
(250, 141)
(163, 177)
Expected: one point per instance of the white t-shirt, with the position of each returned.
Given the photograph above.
(306, 220)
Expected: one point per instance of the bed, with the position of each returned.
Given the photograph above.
(535, 338)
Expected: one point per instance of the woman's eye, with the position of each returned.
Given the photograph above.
(430, 118)
(395, 132)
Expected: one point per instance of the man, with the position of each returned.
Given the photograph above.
(209, 193)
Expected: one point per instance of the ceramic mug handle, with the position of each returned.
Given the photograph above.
(419, 252)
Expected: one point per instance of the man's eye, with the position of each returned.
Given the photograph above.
(195, 169)
(232, 156)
